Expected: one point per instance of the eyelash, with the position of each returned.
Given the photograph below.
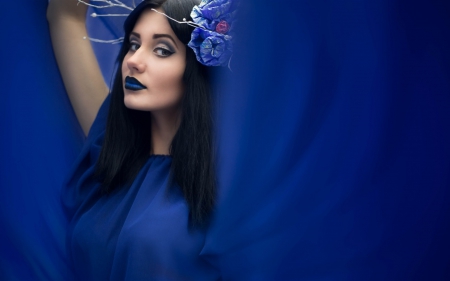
(165, 52)
(132, 44)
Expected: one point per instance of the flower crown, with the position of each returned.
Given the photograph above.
(212, 37)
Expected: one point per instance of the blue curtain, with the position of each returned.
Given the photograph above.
(334, 143)
(333, 137)
(40, 139)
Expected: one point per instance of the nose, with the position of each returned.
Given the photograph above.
(135, 62)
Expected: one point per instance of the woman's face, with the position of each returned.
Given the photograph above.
(153, 68)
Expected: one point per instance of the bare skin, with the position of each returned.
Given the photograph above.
(161, 73)
(157, 58)
(76, 59)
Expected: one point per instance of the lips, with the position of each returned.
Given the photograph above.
(133, 84)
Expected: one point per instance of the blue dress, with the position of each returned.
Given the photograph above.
(139, 233)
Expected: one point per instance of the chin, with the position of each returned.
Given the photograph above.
(143, 101)
(138, 107)
(133, 101)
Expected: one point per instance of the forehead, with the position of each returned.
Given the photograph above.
(150, 22)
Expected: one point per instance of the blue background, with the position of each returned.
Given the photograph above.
(333, 134)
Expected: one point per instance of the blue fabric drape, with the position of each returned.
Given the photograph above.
(40, 141)
(334, 143)
(333, 139)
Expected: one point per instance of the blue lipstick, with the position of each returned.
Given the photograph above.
(133, 84)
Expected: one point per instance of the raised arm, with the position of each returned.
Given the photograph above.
(76, 59)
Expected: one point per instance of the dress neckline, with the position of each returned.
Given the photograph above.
(160, 155)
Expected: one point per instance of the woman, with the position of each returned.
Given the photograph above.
(142, 190)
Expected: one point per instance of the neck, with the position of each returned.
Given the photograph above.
(164, 128)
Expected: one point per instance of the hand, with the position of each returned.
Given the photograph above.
(66, 9)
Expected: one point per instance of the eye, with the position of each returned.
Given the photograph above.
(134, 46)
(162, 52)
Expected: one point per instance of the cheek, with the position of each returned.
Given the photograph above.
(170, 82)
(124, 67)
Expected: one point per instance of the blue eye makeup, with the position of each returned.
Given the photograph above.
(134, 46)
(163, 52)
(163, 49)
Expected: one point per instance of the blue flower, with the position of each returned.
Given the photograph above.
(211, 48)
(211, 12)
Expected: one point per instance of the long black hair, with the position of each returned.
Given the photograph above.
(127, 142)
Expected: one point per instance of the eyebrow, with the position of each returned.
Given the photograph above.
(156, 36)
(135, 34)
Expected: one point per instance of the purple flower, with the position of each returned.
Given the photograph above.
(211, 12)
(211, 48)
(211, 41)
